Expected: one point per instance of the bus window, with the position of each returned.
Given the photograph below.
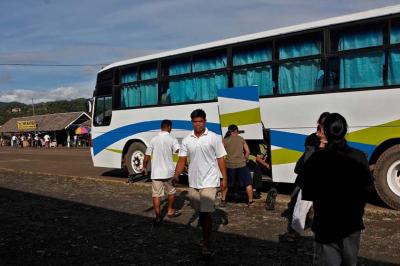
(300, 75)
(143, 94)
(260, 76)
(196, 89)
(357, 71)
(394, 67)
(103, 111)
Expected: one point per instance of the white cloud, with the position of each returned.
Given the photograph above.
(60, 93)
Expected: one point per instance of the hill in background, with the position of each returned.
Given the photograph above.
(6, 109)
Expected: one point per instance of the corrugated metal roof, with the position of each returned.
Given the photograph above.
(87, 123)
(49, 122)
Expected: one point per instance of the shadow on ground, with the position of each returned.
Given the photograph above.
(37, 230)
(116, 173)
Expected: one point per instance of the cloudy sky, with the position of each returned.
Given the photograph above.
(96, 32)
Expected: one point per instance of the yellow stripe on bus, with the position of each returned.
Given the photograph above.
(246, 117)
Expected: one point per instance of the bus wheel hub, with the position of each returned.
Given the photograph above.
(393, 177)
(137, 161)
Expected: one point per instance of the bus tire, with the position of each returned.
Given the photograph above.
(134, 158)
(387, 177)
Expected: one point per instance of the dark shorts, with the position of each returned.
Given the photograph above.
(241, 175)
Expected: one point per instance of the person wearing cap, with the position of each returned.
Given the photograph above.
(237, 155)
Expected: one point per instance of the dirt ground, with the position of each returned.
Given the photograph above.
(56, 209)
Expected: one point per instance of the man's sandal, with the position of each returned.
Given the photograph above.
(176, 213)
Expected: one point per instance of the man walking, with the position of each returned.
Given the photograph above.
(206, 152)
(161, 149)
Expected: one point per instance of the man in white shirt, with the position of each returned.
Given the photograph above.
(206, 152)
(14, 141)
(161, 149)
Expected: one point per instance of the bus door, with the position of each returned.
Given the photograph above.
(241, 106)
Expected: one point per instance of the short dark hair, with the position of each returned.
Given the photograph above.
(166, 123)
(198, 113)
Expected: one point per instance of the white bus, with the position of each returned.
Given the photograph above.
(348, 64)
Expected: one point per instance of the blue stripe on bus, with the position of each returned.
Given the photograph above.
(287, 140)
(240, 93)
(294, 141)
(367, 148)
(106, 139)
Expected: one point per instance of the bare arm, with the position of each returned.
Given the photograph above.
(222, 168)
(146, 160)
(180, 166)
(246, 150)
(262, 161)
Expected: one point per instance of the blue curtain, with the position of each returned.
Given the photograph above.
(196, 89)
(203, 64)
(395, 34)
(130, 96)
(179, 68)
(139, 95)
(149, 73)
(364, 70)
(299, 49)
(261, 76)
(252, 56)
(128, 77)
(360, 40)
(300, 76)
(148, 94)
(394, 67)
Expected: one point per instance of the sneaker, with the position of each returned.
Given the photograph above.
(250, 204)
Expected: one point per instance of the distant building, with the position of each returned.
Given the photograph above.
(16, 110)
(59, 125)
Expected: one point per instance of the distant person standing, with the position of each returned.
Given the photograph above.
(46, 141)
(206, 152)
(14, 141)
(336, 180)
(160, 150)
(36, 140)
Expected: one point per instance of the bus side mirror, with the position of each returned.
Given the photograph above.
(89, 106)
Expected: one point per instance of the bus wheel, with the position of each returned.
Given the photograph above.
(134, 158)
(387, 177)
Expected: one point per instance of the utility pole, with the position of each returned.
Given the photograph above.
(33, 108)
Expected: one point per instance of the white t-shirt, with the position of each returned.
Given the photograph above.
(46, 138)
(203, 152)
(161, 148)
(13, 138)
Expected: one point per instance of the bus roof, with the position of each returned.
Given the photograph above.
(389, 10)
